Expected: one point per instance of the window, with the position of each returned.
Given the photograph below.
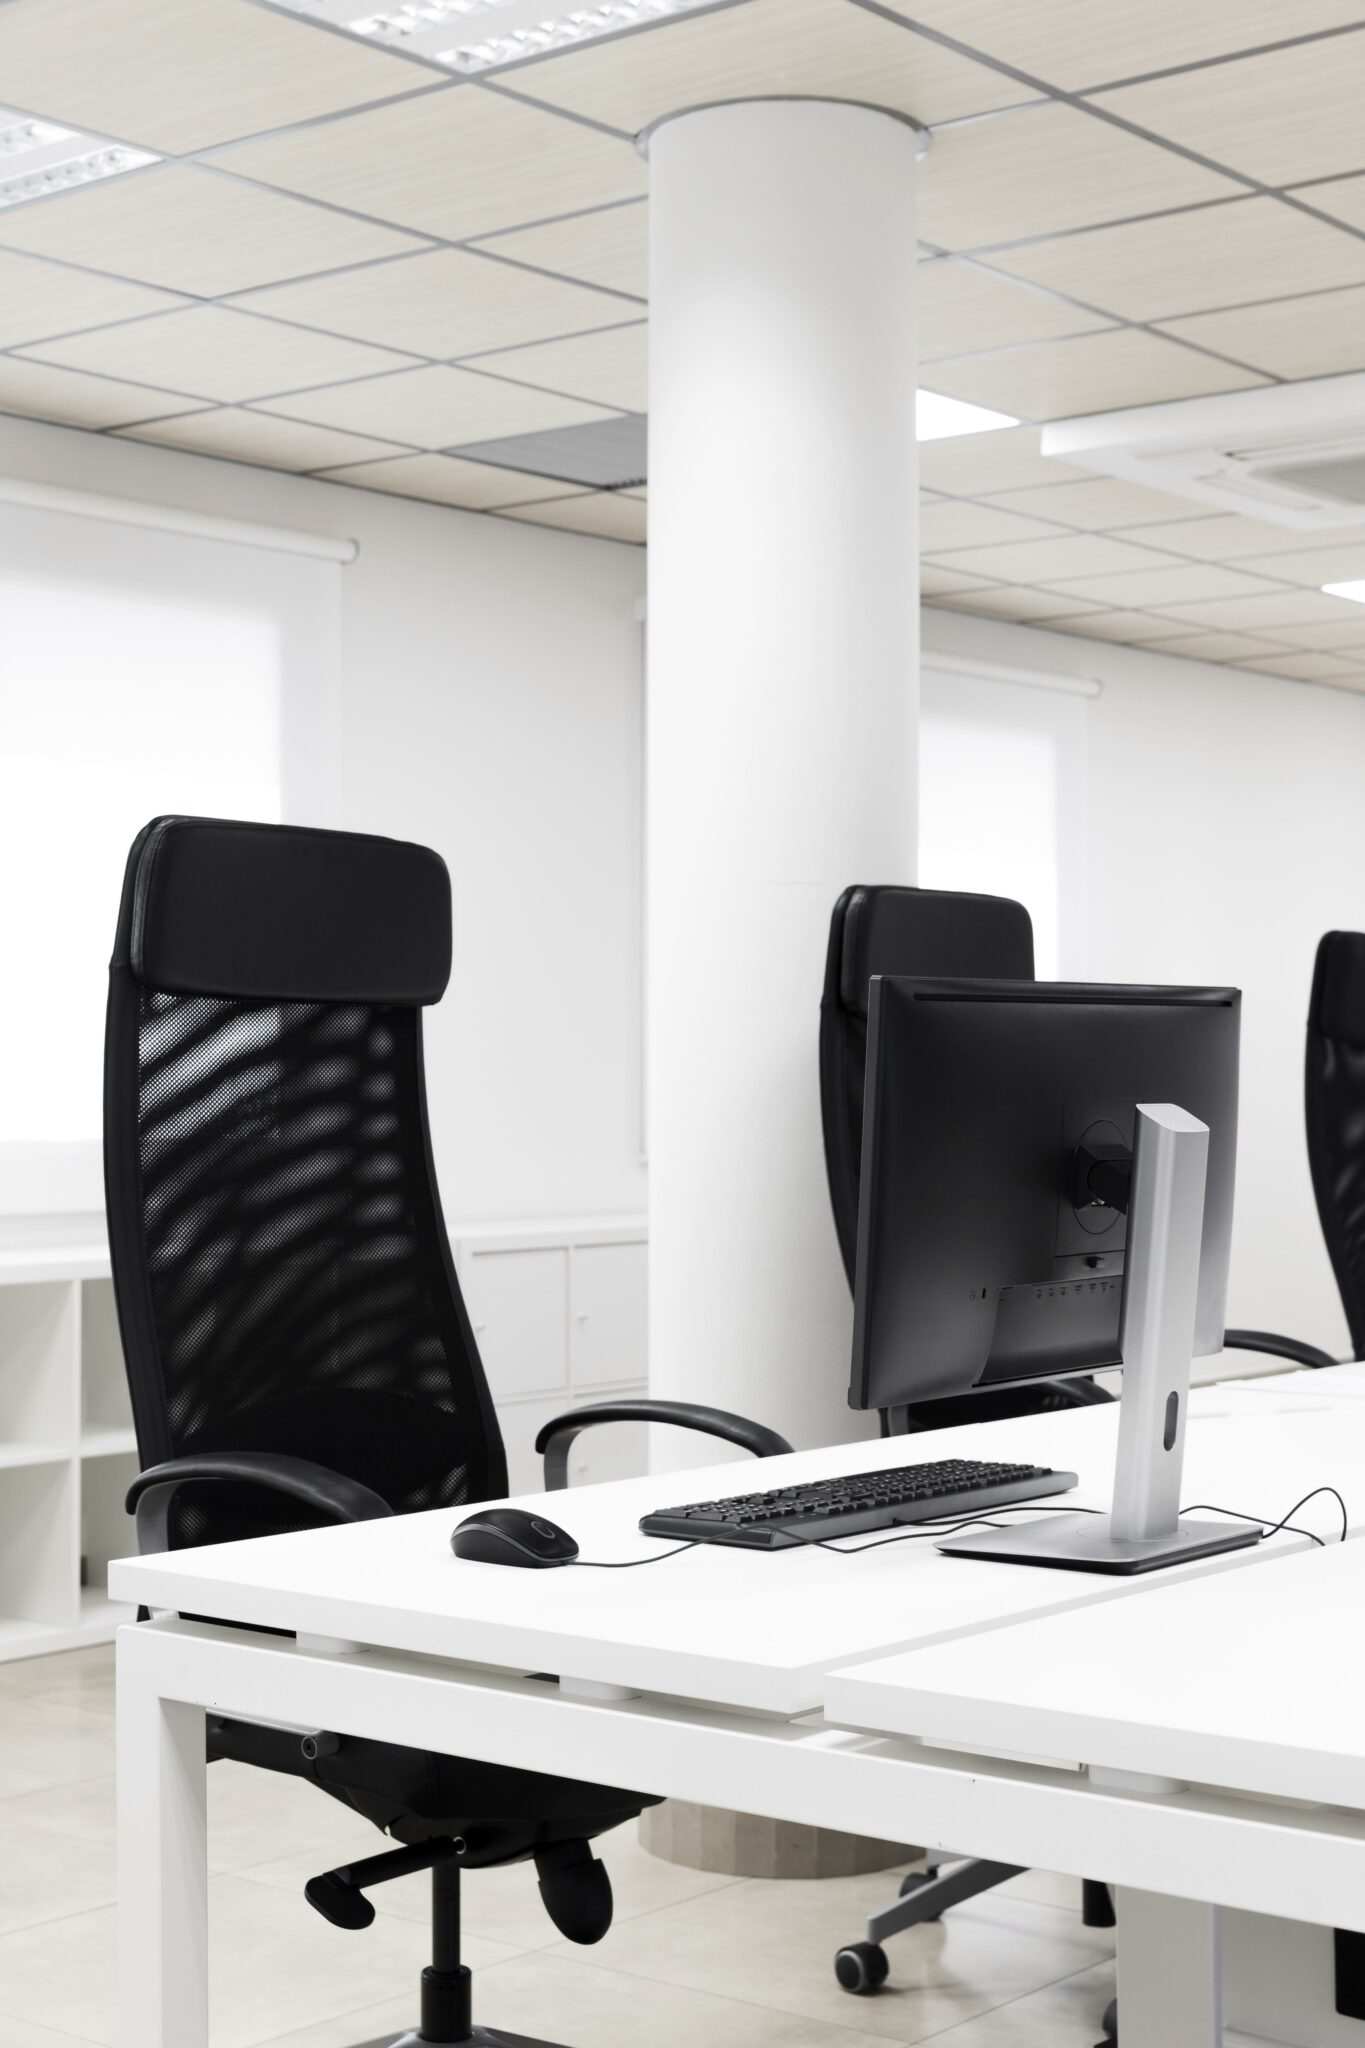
(141, 672)
(1002, 803)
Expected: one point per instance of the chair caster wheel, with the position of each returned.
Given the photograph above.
(916, 1882)
(862, 1968)
(1110, 2023)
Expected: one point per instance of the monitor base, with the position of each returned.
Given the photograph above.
(1084, 1543)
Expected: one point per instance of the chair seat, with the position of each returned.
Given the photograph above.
(416, 1795)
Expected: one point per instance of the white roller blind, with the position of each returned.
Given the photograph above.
(1002, 790)
(141, 671)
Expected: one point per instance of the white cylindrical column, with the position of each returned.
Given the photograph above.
(783, 632)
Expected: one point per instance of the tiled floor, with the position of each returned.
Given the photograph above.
(734, 1963)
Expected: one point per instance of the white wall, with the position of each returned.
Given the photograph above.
(1226, 833)
(489, 705)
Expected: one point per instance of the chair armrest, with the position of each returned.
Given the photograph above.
(315, 1486)
(1278, 1347)
(556, 1439)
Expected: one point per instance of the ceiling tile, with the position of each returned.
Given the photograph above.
(1049, 380)
(38, 299)
(610, 367)
(1306, 668)
(1290, 114)
(209, 352)
(1053, 561)
(253, 437)
(1328, 634)
(1132, 629)
(192, 230)
(1321, 336)
(1190, 262)
(449, 480)
(1075, 43)
(962, 308)
(455, 164)
(1325, 560)
(434, 408)
(765, 48)
(1151, 589)
(971, 464)
(72, 399)
(962, 523)
(1013, 601)
(1044, 170)
(606, 514)
(940, 583)
(1216, 646)
(179, 75)
(1096, 503)
(1272, 613)
(1343, 198)
(609, 247)
(441, 303)
(1226, 537)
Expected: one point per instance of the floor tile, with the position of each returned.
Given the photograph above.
(774, 1943)
(254, 1814)
(300, 1970)
(1066, 2015)
(49, 1742)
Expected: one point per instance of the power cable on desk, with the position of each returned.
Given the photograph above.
(948, 1525)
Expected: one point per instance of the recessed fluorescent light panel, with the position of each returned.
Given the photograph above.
(938, 418)
(1355, 591)
(470, 36)
(37, 158)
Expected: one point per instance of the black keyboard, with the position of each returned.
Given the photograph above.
(862, 1501)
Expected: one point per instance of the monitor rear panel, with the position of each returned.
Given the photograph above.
(976, 1267)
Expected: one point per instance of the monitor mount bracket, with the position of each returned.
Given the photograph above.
(1144, 1529)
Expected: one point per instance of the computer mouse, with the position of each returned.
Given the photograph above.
(512, 1536)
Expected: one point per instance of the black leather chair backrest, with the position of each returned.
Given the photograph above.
(896, 931)
(1334, 1106)
(283, 1278)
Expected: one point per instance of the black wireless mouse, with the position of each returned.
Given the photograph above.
(511, 1536)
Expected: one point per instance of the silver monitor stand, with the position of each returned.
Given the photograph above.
(1144, 1529)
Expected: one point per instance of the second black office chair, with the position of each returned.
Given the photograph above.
(297, 1348)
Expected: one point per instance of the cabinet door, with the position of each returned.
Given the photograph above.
(616, 1450)
(609, 1314)
(517, 1304)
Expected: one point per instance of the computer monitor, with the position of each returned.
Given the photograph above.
(994, 1242)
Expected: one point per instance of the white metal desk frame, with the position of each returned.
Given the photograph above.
(171, 1672)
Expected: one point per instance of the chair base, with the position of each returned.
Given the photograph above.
(481, 2037)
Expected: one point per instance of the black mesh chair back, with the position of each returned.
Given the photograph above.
(283, 1278)
(1334, 1104)
(896, 931)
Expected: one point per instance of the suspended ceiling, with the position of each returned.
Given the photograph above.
(351, 263)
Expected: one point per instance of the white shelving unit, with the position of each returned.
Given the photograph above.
(559, 1309)
(67, 1451)
(560, 1313)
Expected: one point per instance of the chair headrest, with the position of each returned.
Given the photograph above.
(937, 932)
(1337, 1006)
(216, 907)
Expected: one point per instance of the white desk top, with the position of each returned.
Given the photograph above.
(1328, 1383)
(734, 1628)
(1254, 1682)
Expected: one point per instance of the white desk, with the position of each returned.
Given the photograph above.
(681, 1679)
(1230, 1696)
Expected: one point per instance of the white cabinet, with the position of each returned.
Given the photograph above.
(608, 1314)
(560, 1315)
(518, 1302)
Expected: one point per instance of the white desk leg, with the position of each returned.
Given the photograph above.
(163, 1862)
(1170, 1977)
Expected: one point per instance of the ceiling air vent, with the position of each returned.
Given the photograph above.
(1292, 454)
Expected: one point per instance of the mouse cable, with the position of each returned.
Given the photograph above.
(626, 1564)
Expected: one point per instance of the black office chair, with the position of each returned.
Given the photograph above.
(1334, 1109)
(298, 1352)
